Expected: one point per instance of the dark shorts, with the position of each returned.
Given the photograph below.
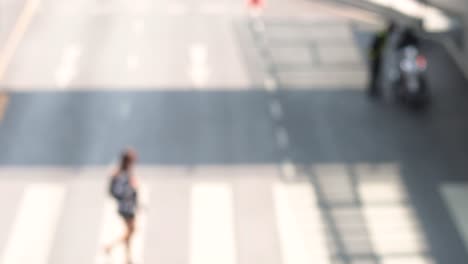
(128, 206)
(127, 209)
(127, 216)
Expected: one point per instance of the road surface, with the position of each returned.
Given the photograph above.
(256, 143)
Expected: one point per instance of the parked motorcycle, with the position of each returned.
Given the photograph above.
(410, 85)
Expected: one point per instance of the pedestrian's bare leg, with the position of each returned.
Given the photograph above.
(108, 248)
(130, 223)
(125, 238)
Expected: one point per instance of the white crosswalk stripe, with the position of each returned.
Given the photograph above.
(32, 233)
(199, 220)
(299, 224)
(168, 222)
(212, 236)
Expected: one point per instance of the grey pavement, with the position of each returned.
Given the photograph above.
(166, 127)
(186, 88)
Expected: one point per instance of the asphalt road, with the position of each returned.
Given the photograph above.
(256, 143)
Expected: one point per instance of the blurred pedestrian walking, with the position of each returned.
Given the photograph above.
(376, 52)
(124, 187)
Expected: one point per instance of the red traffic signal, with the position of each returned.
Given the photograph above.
(256, 3)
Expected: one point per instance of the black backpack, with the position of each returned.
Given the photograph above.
(119, 186)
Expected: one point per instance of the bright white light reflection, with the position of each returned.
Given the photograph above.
(434, 19)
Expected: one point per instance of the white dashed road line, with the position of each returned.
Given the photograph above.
(133, 62)
(126, 110)
(259, 25)
(270, 84)
(276, 110)
(198, 66)
(139, 26)
(282, 138)
(68, 66)
(288, 169)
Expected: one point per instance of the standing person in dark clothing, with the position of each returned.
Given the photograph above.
(124, 187)
(408, 37)
(376, 52)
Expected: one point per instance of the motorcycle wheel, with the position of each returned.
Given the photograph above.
(419, 101)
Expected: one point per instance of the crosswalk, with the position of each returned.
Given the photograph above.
(32, 231)
(206, 219)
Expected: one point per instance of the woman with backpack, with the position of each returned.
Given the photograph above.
(124, 188)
